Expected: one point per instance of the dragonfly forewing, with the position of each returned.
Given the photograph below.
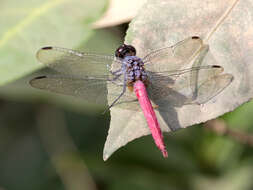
(74, 63)
(175, 57)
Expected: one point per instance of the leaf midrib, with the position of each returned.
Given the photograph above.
(33, 15)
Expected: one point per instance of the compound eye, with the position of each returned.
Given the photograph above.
(125, 50)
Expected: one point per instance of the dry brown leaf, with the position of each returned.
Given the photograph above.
(119, 11)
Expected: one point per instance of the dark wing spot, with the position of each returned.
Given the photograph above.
(216, 66)
(39, 77)
(47, 47)
(195, 37)
(36, 78)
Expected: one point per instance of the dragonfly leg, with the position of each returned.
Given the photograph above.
(117, 72)
(121, 94)
(114, 102)
(124, 87)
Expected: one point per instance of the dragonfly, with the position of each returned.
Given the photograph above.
(170, 75)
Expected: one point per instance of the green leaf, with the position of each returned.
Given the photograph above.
(27, 26)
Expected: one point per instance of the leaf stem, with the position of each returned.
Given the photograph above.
(220, 21)
(221, 128)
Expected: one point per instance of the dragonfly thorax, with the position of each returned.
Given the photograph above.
(134, 69)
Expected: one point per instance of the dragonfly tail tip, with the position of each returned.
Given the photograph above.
(165, 153)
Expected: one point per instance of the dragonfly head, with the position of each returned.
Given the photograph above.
(125, 50)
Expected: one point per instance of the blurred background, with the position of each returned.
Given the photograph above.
(49, 141)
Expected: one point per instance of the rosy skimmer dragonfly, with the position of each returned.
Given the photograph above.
(170, 75)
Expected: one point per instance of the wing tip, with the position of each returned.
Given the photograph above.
(36, 78)
(230, 77)
(41, 50)
(218, 67)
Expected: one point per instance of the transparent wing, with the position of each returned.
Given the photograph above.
(89, 90)
(82, 75)
(196, 84)
(74, 63)
(164, 90)
(174, 57)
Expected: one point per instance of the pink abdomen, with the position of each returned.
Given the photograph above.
(149, 114)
